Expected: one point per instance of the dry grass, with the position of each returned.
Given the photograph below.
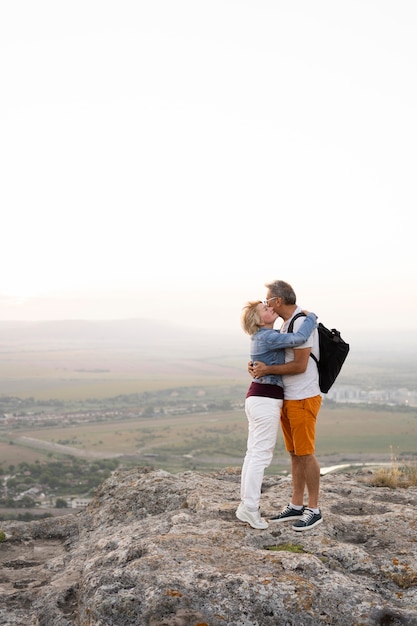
(398, 474)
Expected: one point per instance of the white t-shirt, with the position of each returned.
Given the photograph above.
(305, 385)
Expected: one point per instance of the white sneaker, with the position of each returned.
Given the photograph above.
(251, 517)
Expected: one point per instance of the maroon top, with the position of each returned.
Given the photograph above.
(266, 391)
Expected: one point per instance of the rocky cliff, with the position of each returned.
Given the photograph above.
(158, 549)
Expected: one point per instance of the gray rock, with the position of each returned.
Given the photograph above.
(158, 549)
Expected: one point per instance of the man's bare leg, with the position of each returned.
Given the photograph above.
(305, 473)
(298, 479)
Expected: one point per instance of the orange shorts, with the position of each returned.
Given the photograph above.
(298, 423)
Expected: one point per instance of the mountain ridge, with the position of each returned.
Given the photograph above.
(145, 331)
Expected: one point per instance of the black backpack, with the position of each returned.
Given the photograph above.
(333, 353)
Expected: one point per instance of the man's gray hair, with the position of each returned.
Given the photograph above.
(283, 290)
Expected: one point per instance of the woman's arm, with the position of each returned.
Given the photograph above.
(289, 340)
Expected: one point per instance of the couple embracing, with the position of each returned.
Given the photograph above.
(285, 389)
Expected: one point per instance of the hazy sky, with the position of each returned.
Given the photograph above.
(165, 159)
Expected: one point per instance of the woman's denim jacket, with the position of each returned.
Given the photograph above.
(268, 345)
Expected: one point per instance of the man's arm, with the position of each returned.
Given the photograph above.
(298, 366)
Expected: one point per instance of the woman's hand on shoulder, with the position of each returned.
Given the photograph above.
(308, 313)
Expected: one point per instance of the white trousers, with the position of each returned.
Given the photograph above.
(263, 420)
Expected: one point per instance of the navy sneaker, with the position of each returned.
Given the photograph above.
(287, 515)
(308, 520)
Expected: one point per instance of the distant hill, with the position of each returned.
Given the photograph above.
(157, 335)
(112, 334)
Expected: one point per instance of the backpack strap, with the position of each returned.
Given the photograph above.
(291, 330)
(291, 326)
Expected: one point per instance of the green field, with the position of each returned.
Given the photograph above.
(68, 374)
(207, 441)
(61, 377)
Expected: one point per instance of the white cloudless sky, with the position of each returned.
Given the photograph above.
(165, 159)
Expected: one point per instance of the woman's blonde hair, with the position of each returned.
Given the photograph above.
(250, 317)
